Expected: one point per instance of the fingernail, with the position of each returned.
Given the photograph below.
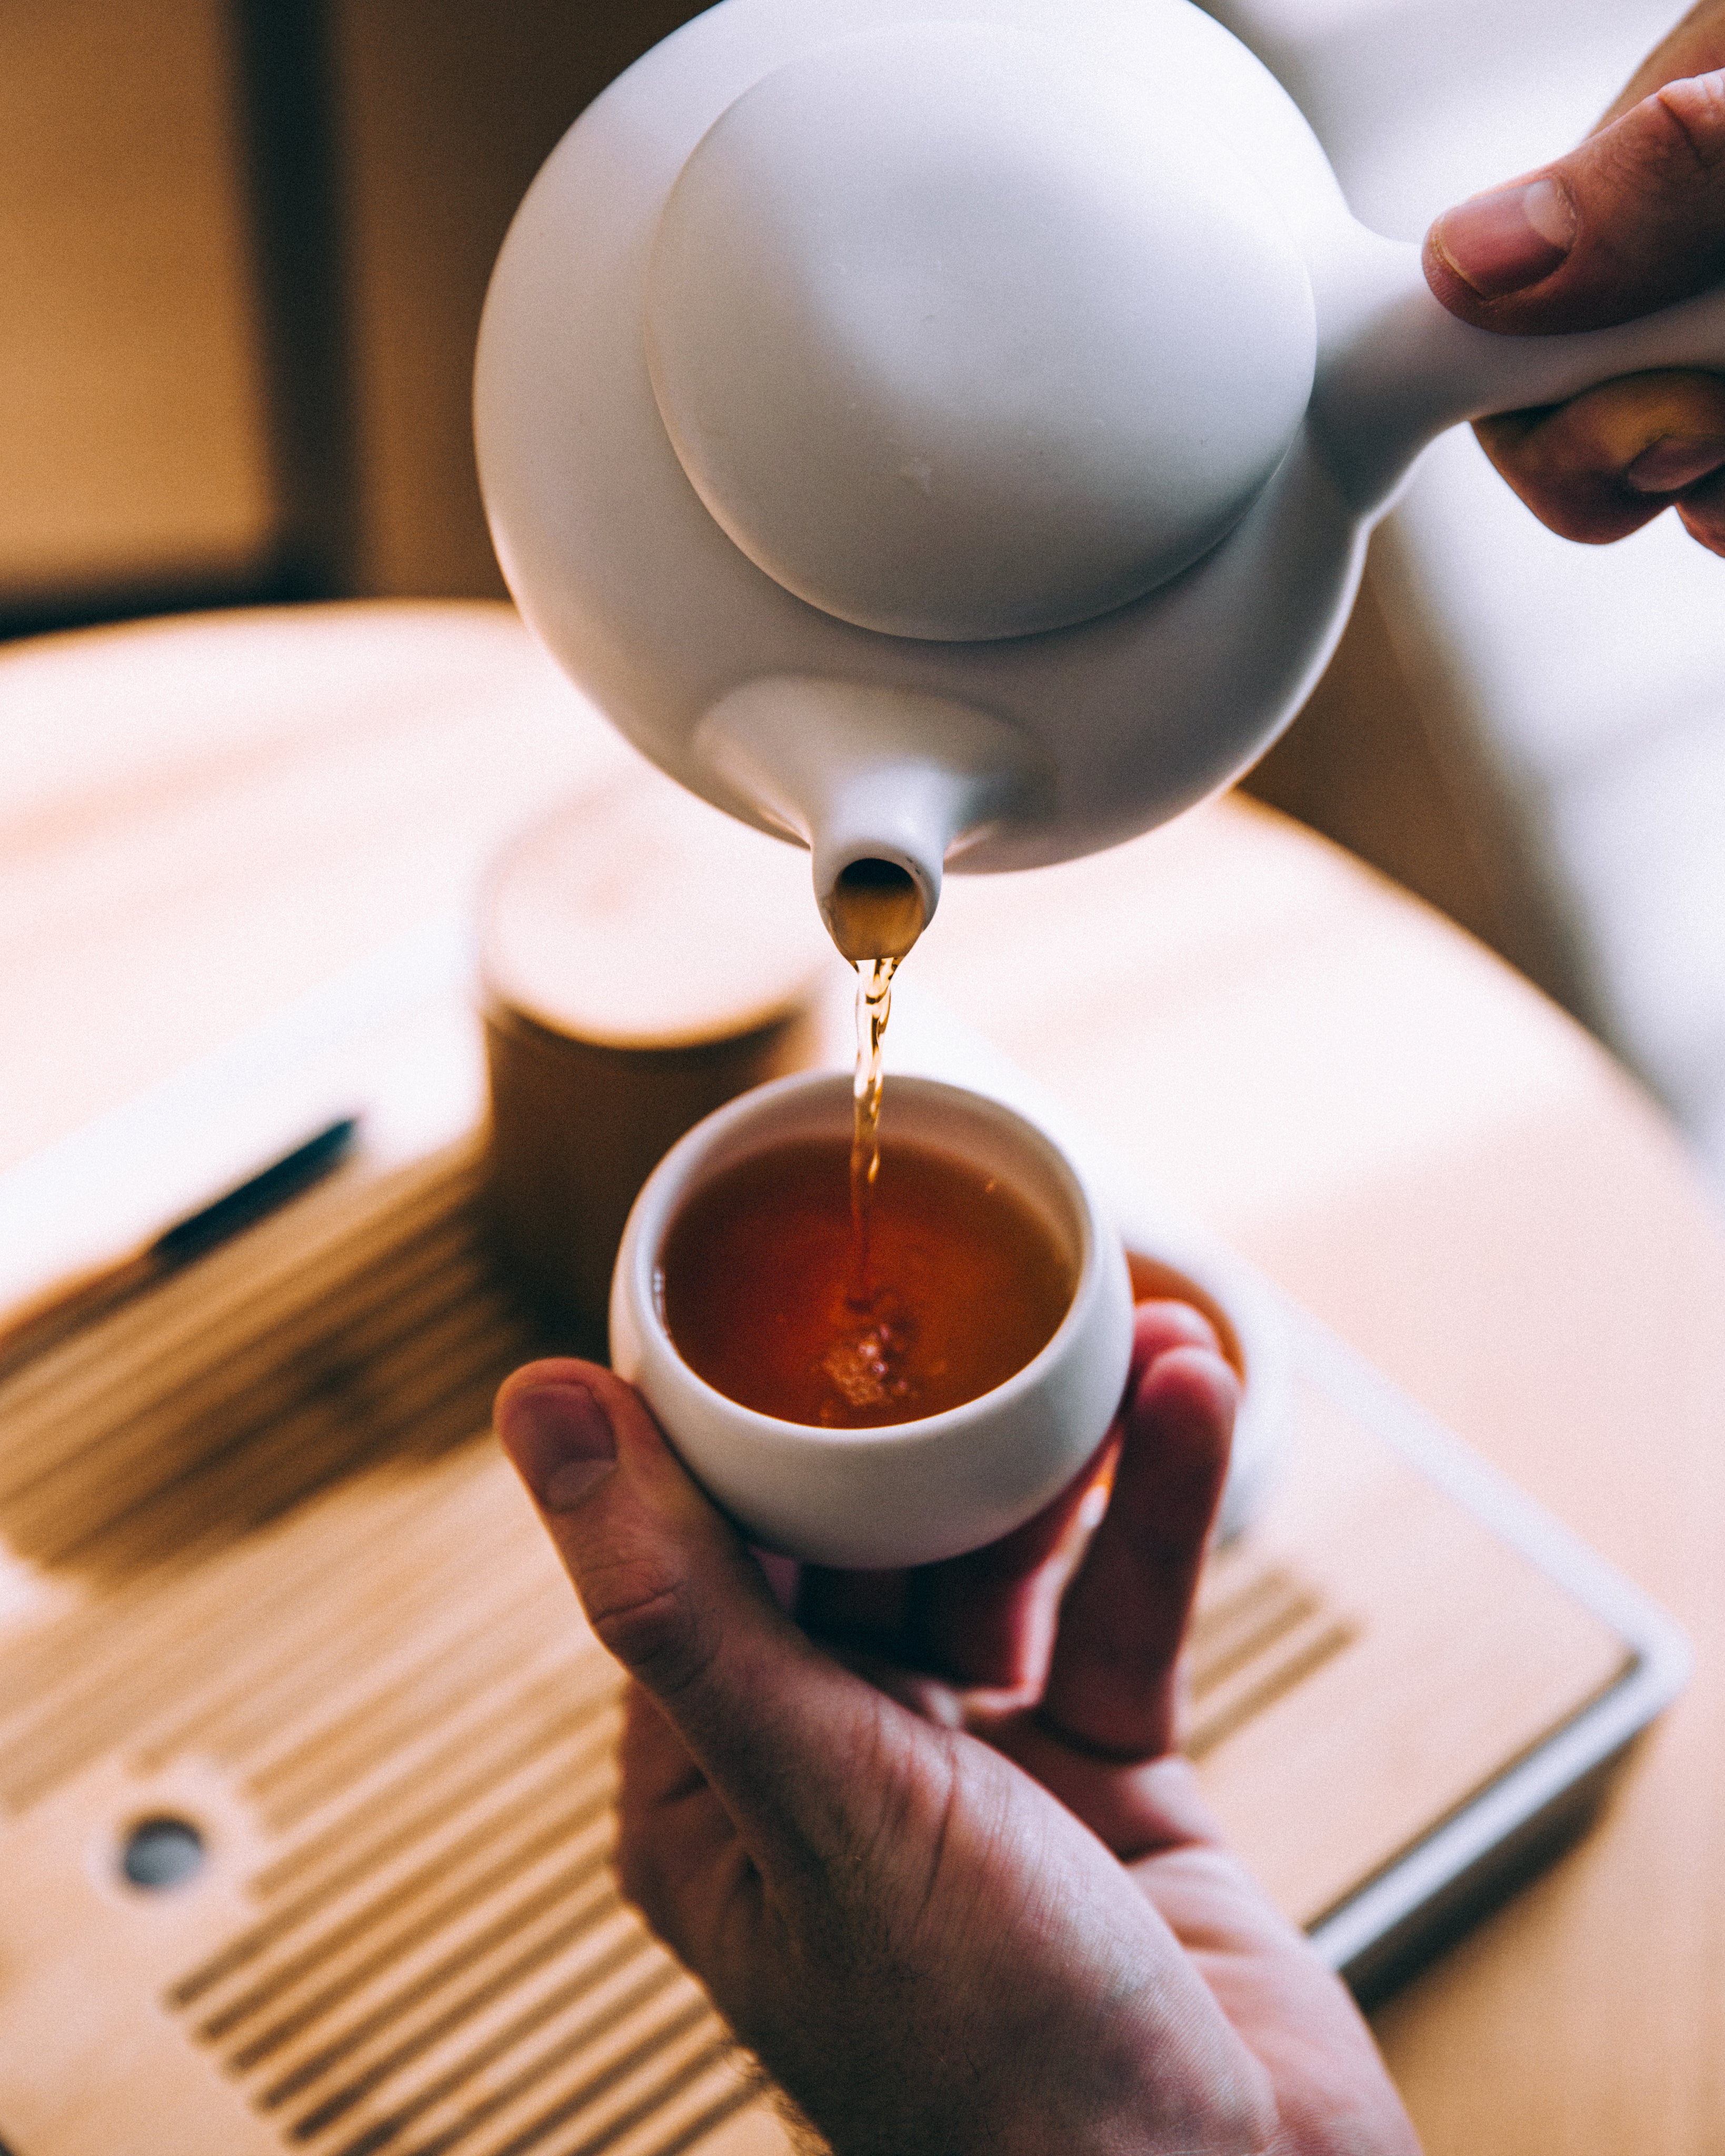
(1506, 241)
(561, 1442)
(1674, 462)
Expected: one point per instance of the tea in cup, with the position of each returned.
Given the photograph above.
(920, 1406)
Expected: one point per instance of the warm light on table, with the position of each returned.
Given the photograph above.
(200, 822)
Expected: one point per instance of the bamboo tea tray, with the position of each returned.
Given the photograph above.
(275, 1616)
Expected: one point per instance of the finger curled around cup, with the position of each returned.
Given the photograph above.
(988, 1618)
(1112, 1677)
(1162, 1323)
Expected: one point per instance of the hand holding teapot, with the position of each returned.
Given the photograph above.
(956, 439)
(1631, 220)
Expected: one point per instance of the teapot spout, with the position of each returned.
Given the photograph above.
(879, 784)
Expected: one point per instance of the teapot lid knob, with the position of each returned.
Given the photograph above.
(958, 338)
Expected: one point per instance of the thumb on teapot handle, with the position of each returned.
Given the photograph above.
(1396, 369)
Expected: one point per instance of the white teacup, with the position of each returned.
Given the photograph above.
(901, 1493)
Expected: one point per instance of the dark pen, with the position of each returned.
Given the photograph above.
(68, 1303)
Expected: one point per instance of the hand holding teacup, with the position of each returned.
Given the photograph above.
(967, 1901)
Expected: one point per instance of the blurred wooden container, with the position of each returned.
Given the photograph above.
(642, 958)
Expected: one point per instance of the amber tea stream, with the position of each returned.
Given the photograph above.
(871, 1284)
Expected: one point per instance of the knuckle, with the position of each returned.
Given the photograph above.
(1691, 114)
(1673, 141)
(643, 1612)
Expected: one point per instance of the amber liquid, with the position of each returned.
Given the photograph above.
(874, 1008)
(968, 1284)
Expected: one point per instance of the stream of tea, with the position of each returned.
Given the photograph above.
(864, 1363)
(945, 1283)
(874, 1008)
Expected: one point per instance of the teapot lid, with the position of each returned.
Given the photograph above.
(592, 473)
(958, 337)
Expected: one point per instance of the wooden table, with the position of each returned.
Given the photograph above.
(201, 821)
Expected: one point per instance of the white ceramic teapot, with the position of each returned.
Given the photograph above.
(955, 438)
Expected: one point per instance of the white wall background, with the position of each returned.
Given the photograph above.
(1598, 673)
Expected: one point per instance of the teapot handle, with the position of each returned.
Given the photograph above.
(1396, 368)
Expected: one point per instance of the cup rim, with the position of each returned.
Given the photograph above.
(674, 1176)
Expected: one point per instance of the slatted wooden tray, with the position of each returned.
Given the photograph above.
(269, 1577)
